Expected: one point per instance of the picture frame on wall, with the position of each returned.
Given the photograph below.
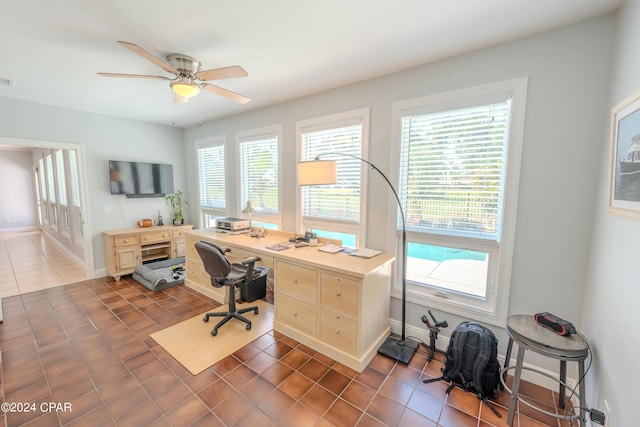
(624, 170)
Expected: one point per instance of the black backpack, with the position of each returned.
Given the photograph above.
(471, 361)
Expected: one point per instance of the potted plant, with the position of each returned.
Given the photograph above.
(177, 204)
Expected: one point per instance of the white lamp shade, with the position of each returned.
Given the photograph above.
(186, 90)
(317, 172)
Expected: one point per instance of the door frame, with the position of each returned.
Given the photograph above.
(82, 184)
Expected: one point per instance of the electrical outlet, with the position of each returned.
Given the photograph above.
(607, 414)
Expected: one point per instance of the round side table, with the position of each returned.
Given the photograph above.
(524, 330)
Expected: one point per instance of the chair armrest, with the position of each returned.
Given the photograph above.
(250, 260)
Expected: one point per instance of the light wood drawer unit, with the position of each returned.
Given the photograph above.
(300, 315)
(126, 249)
(340, 294)
(296, 281)
(339, 331)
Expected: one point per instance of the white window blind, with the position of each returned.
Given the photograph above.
(43, 180)
(75, 184)
(452, 170)
(342, 200)
(51, 188)
(62, 189)
(259, 173)
(212, 177)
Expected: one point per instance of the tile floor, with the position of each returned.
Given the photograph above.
(32, 261)
(87, 345)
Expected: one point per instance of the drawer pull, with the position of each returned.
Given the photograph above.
(337, 331)
(338, 294)
(126, 240)
(295, 281)
(295, 314)
(337, 317)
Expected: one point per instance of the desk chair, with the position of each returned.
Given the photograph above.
(223, 273)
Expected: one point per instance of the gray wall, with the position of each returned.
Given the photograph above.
(18, 206)
(568, 72)
(610, 315)
(103, 138)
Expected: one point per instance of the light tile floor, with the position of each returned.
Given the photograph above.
(32, 261)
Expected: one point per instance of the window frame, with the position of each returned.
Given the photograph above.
(493, 310)
(254, 135)
(334, 121)
(205, 212)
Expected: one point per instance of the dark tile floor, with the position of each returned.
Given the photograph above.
(86, 347)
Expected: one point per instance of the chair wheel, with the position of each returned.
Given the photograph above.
(255, 311)
(205, 319)
(214, 332)
(248, 326)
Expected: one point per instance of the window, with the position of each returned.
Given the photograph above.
(62, 190)
(212, 184)
(259, 178)
(458, 174)
(75, 183)
(335, 211)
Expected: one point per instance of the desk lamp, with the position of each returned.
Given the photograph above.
(248, 209)
(323, 172)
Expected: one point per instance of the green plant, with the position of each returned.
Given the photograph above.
(177, 204)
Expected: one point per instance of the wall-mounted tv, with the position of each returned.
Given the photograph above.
(139, 179)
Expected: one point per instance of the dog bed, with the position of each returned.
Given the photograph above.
(161, 275)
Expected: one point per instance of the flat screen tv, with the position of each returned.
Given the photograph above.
(139, 179)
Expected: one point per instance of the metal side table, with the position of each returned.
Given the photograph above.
(524, 330)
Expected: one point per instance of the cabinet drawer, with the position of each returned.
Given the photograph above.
(178, 233)
(296, 314)
(297, 281)
(338, 331)
(126, 240)
(340, 294)
(154, 236)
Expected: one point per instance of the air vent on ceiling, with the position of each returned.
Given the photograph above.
(6, 82)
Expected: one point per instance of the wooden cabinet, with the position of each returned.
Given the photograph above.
(126, 249)
(335, 304)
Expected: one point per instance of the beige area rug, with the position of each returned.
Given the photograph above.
(191, 343)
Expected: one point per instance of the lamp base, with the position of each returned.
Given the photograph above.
(398, 349)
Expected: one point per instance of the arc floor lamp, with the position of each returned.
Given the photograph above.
(324, 172)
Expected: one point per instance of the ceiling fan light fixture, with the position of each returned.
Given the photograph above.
(185, 89)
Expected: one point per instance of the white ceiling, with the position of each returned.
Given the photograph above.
(52, 50)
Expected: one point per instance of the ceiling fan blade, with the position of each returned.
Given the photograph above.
(226, 93)
(133, 76)
(222, 73)
(149, 57)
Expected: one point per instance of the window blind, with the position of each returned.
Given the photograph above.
(212, 177)
(51, 189)
(75, 184)
(342, 200)
(43, 180)
(259, 173)
(62, 189)
(452, 170)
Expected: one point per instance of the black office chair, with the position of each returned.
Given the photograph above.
(223, 273)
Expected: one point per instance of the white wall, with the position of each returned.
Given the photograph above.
(568, 72)
(103, 138)
(18, 206)
(610, 316)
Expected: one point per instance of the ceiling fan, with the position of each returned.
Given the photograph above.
(188, 80)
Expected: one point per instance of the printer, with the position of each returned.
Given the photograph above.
(232, 225)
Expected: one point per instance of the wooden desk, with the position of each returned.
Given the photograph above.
(336, 304)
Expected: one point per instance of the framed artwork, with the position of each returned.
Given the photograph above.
(624, 171)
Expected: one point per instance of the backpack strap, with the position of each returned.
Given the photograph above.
(457, 353)
(480, 362)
